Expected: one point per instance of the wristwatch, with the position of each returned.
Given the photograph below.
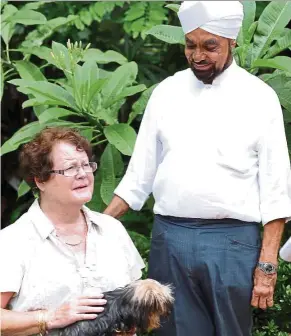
(267, 267)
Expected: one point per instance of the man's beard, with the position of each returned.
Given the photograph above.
(205, 75)
(208, 76)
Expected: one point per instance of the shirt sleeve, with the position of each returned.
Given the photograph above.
(11, 263)
(285, 251)
(137, 183)
(274, 166)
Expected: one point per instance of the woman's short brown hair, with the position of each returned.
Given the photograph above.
(35, 156)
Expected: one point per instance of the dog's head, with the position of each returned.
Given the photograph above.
(137, 307)
(143, 303)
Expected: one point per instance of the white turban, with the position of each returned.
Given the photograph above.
(223, 18)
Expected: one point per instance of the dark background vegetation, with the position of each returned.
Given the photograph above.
(121, 27)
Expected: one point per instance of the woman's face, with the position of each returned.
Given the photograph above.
(75, 190)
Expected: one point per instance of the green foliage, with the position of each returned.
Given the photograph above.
(273, 321)
(142, 16)
(95, 12)
(101, 85)
(86, 94)
(169, 34)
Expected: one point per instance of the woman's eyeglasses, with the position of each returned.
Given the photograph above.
(89, 167)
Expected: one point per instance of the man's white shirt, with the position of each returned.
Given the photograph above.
(211, 151)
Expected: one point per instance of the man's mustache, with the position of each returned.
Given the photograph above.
(200, 63)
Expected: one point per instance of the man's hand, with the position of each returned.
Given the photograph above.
(264, 284)
(117, 207)
(264, 287)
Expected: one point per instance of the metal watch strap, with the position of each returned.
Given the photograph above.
(264, 266)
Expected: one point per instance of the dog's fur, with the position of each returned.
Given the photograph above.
(134, 308)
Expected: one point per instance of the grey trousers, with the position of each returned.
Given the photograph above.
(210, 264)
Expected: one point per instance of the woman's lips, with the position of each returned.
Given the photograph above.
(80, 187)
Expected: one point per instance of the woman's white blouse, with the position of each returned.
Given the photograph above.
(44, 273)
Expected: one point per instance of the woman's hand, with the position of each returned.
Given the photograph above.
(83, 308)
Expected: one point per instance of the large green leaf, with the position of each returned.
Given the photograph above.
(29, 71)
(173, 7)
(86, 83)
(23, 135)
(122, 77)
(35, 103)
(79, 85)
(167, 33)
(100, 57)
(111, 166)
(27, 132)
(27, 17)
(110, 115)
(140, 105)
(273, 20)
(249, 18)
(48, 91)
(62, 57)
(1, 81)
(287, 116)
(279, 62)
(94, 94)
(41, 52)
(96, 203)
(54, 113)
(281, 44)
(280, 82)
(23, 189)
(7, 27)
(33, 5)
(127, 92)
(141, 242)
(122, 136)
(135, 11)
(36, 37)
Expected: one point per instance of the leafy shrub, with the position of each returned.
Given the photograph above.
(104, 93)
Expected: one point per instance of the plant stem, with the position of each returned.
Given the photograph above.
(7, 54)
(8, 71)
(96, 136)
(99, 142)
(11, 75)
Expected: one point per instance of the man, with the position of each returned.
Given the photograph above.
(212, 149)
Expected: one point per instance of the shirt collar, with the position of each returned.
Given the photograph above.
(45, 227)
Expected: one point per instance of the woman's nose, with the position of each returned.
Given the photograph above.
(81, 172)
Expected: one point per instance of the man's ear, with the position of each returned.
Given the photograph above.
(40, 185)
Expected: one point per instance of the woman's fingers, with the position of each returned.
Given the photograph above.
(81, 317)
(89, 309)
(97, 296)
(91, 302)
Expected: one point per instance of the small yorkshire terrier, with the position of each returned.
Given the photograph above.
(136, 307)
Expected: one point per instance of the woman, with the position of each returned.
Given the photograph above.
(59, 257)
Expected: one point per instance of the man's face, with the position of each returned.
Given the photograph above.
(208, 55)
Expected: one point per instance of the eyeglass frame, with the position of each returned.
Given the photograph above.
(62, 171)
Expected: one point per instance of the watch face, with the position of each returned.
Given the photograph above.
(269, 268)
